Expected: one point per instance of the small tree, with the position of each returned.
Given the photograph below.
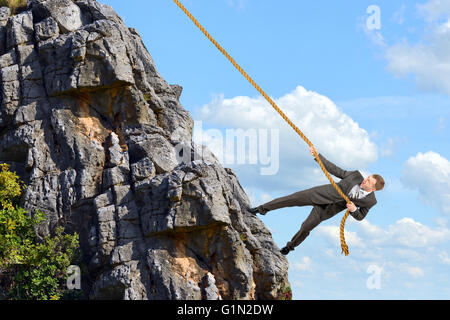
(39, 266)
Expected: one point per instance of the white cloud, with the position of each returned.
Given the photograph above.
(429, 63)
(434, 9)
(304, 265)
(388, 148)
(409, 233)
(257, 196)
(440, 124)
(428, 60)
(429, 173)
(441, 221)
(405, 233)
(331, 233)
(376, 37)
(406, 252)
(332, 131)
(266, 197)
(444, 257)
(369, 230)
(399, 16)
(415, 272)
(334, 134)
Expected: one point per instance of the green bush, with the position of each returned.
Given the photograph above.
(14, 5)
(286, 294)
(39, 266)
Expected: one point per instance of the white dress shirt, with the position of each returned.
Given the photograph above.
(357, 193)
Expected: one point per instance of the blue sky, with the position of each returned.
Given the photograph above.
(377, 100)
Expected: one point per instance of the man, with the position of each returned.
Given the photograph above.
(326, 201)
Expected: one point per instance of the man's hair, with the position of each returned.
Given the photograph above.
(380, 181)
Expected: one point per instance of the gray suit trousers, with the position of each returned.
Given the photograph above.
(297, 199)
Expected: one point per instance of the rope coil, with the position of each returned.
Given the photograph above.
(344, 246)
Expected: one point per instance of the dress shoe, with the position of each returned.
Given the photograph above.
(285, 251)
(255, 210)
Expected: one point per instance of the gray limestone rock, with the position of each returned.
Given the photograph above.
(46, 29)
(105, 147)
(64, 12)
(19, 30)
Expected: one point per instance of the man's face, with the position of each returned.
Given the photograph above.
(368, 184)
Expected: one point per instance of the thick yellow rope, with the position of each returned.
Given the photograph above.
(300, 133)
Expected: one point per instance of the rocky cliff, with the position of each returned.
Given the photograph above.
(106, 150)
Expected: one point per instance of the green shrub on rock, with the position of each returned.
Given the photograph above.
(36, 267)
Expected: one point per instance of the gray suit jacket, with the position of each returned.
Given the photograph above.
(328, 202)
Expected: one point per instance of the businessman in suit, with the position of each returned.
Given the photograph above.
(326, 201)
